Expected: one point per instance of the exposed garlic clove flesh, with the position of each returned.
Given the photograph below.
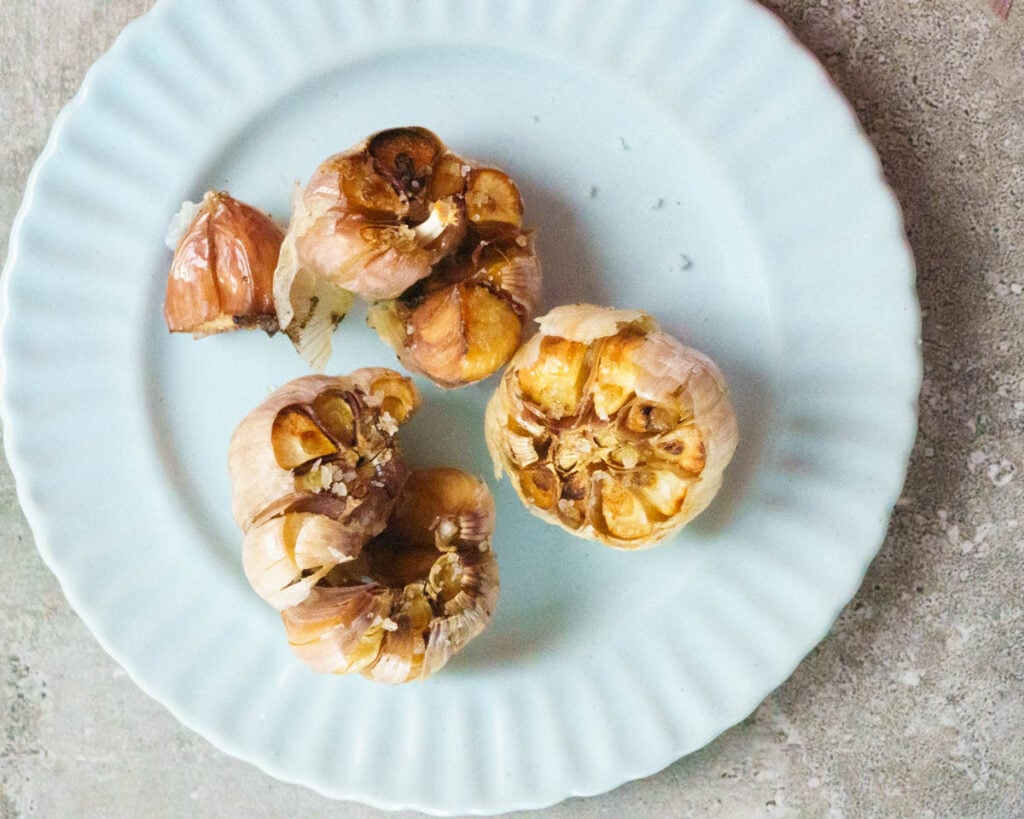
(610, 428)
(316, 472)
(464, 321)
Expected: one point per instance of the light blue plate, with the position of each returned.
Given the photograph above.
(685, 157)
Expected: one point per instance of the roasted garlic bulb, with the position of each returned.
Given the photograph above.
(611, 428)
(464, 321)
(373, 569)
(380, 217)
(402, 606)
(222, 275)
(315, 474)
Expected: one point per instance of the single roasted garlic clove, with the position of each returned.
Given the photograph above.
(464, 321)
(610, 428)
(315, 474)
(221, 278)
(414, 595)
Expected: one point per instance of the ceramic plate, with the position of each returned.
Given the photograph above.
(685, 157)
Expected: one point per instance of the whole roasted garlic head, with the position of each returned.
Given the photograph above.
(222, 275)
(315, 474)
(378, 218)
(610, 428)
(402, 606)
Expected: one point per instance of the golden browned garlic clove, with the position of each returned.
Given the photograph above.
(610, 428)
(464, 321)
(315, 473)
(414, 595)
(493, 199)
(221, 278)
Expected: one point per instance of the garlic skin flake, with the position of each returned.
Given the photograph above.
(309, 306)
(611, 428)
(414, 595)
(221, 277)
(316, 473)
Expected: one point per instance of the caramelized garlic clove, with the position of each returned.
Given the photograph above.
(492, 330)
(683, 448)
(407, 158)
(541, 486)
(661, 489)
(333, 411)
(448, 179)
(221, 277)
(349, 182)
(297, 439)
(394, 394)
(631, 430)
(465, 321)
(283, 457)
(650, 418)
(622, 513)
(615, 374)
(555, 379)
(493, 198)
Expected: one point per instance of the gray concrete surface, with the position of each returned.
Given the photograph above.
(914, 704)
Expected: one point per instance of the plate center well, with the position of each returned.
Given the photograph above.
(631, 212)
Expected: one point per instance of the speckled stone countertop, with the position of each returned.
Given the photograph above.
(912, 706)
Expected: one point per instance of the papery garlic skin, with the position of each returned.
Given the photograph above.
(415, 595)
(221, 277)
(611, 428)
(315, 474)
